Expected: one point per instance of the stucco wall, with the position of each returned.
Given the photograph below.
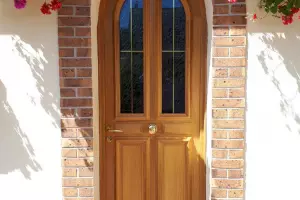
(273, 110)
(30, 145)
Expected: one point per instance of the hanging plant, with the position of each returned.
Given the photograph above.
(46, 8)
(286, 10)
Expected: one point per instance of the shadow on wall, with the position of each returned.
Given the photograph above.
(16, 151)
(28, 61)
(281, 63)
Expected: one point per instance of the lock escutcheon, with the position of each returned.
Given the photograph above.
(109, 139)
(152, 129)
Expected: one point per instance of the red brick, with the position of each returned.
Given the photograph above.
(236, 154)
(221, 52)
(84, 52)
(83, 153)
(66, 52)
(228, 144)
(237, 51)
(236, 113)
(66, 10)
(219, 153)
(77, 162)
(229, 20)
(74, 42)
(85, 11)
(228, 124)
(68, 112)
(221, 31)
(228, 83)
(235, 173)
(226, 1)
(74, 21)
(77, 142)
(219, 134)
(85, 112)
(237, 31)
(235, 134)
(237, 72)
(69, 132)
(77, 2)
(219, 93)
(72, 62)
(228, 164)
(229, 62)
(227, 183)
(77, 182)
(86, 192)
(85, 92)
(220, 73)
(236, 193)
(86, 172)
(237, 93)
(238, 9)
(74, 123)
(76, 82)
(70, 192)
(217, 193)
(229, 41)
(67, 72)
(228, 103)
(70, 153)
(220, 113)
(85, 132)
(76, 102)
(65, 31)
(67, 92)
(84, 72)
(219, 173)
(69, 172)
(221, 9)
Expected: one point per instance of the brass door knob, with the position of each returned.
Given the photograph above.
(152, 129)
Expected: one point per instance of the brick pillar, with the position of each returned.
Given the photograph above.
(229, 62)
(74, 32)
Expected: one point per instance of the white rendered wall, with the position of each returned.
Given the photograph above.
(30, 150)
(273, 110)
(209, 16)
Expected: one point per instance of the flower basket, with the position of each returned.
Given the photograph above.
(286, 10)
(46, 8)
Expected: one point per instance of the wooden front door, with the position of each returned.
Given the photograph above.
(152, 69)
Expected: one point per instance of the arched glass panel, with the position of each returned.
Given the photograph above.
(173, 56)
(131, 57)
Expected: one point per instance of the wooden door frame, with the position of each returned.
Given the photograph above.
(201, 60)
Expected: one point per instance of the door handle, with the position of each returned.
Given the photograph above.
(109, 129)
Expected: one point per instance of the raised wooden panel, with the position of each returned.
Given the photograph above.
(131, 169)
(173, 169)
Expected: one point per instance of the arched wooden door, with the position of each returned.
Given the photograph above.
(152, 61)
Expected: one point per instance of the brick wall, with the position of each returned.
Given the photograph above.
(74, 31)
(229, 62)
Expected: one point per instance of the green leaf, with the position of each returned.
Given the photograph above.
(267, 9)
(273, 9)
(290, 4)
(297, 4)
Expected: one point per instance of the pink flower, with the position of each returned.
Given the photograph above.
(232, 1)
(19, 4)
